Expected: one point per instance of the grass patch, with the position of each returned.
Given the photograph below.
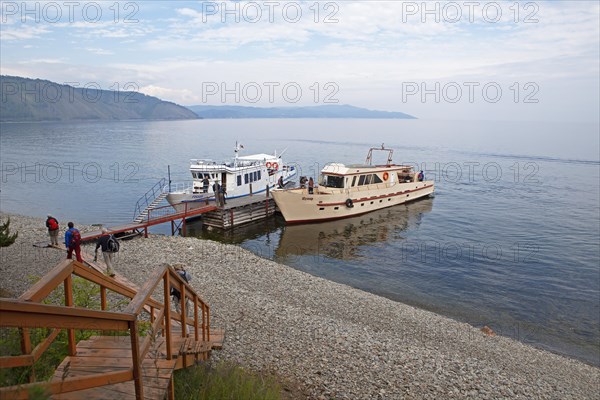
(224, 381)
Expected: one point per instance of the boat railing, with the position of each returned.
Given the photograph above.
(202, 161)
(182, 186)
(364, 188)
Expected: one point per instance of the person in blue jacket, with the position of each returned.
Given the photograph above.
(73, 242)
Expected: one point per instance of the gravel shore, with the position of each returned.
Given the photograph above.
(332, 340)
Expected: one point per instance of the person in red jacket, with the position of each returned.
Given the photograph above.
(52, 225)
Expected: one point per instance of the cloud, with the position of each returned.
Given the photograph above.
(22, 32)
(100, 52)
(369, 49)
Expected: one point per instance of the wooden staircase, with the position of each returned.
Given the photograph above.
(123, 361)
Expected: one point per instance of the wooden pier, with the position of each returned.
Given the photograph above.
(136, 365)
(240, 211)
(234, 213)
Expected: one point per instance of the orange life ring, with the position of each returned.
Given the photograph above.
(268, 165)
(275, 166)
(385, 176)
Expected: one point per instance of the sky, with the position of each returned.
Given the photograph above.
(465, 60)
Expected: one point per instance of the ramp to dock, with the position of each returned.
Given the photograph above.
(156, 216)
(136, 350)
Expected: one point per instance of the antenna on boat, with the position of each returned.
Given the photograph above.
(284, 150)
(238, 146)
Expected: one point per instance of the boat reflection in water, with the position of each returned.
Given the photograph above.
(342, 239)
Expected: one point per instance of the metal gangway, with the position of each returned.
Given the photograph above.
(150, 200)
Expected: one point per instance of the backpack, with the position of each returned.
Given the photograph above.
(52, 224)
(113, 244)
(75, 238)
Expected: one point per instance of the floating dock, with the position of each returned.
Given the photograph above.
(240, 211)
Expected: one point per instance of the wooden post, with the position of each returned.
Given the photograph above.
(102, 298)
(250, 189)
(146, 232)
(26, 349)
(69, 303)
(171, 394)
(183, 310)
(167, 317)
(203, 322)
(207, 324)
(267, 191)
(196, 335)
(137, 363)
(184, 227)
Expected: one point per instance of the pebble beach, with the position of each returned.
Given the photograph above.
(330, 340)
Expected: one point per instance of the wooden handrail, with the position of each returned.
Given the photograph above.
(67, 385)
(42, 288)
(98, 277)
(27, 312)
(33, 315)
(142, 296)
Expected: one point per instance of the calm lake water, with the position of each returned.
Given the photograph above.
(510, 239)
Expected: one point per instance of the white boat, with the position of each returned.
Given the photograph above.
(350, 190)
(240, 177)
(343, 238)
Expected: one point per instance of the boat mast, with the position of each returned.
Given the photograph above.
(236, 151)
(370, 154)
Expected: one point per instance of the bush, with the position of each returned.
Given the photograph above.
(6, 239)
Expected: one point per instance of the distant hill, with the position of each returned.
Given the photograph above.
(25, 99)
(325, 111)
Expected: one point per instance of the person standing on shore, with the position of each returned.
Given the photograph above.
(217, 190)
(223, 195)
(176, 293)
(73, 242)
(52, 225)
(109, 245)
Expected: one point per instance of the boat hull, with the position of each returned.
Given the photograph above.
(298, 206)
(182, 201)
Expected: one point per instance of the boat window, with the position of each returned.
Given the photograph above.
(239, 180)
(377, 179)
(354, 181)
(334, 181)
(255, 175)
(405, 177)
(259, 175)
(246, 179)
(361, 180)
(368, 179)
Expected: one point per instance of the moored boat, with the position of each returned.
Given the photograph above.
(240, 177)
(350, 190)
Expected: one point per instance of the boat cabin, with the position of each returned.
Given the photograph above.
(339, 176)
